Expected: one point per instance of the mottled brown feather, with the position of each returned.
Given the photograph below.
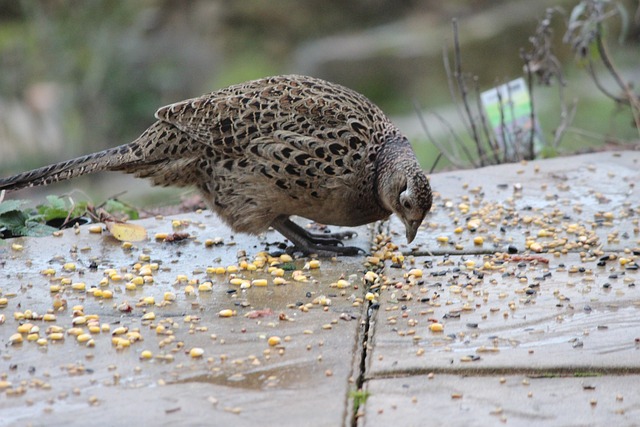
(268, 148)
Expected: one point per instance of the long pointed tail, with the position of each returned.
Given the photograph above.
(137, 157)
(103, 160)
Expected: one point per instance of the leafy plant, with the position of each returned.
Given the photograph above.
(17, 222)
(57, 213)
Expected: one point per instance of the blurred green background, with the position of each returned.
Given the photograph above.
(77, 76)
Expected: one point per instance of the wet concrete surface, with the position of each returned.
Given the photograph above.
(535, 322)
(239, 378)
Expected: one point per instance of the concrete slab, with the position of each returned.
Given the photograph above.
(559, 321)
(240, 378)
(568, 315)
(446, 400)
(596, 193)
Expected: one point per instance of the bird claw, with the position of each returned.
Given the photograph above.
(327, 250)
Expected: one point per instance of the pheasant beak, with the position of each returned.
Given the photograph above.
(412, 229)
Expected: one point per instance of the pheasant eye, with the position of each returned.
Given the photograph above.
(406, 204)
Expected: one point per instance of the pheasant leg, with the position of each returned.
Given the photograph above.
(309, 243)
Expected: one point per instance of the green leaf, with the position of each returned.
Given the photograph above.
(10, 205)
(56, 202)
(14, 220)
(36, 229)
(115, 206)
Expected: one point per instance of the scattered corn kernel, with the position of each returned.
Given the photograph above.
(79, 286)
(17, 247)
(478, 240)
(95, 229)
(259, 282)
(279, 281)
(16, 339)
(205, 287)
(436, 327)
(56, 336)
(169, 296)
(196, 352)
(314, 263)
(69, 267)
(82, 338)
(226, 313)
(274, 341)
(442, 239)
(146, 355)
(415, 272)
(285, 258)
(149, 316)
(370, 276)
(121, 330)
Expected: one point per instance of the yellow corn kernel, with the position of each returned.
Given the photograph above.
(121, 330)
(232, 269)
(196, 352)
(56, 336)
(478, 240)
(95, 229)
(436, 327)
(146, 355)
(25, 328)
(16, 339)
(17, 247)
(82, 338)
(279, 281)
(49, 317)
(314, 263)
(149, 316)
(285, 258)
(274, 341)
(226, 313)
(169, 296)
(415, 272)
(205, 287)
(126, 245)
(69, 267)
(442, 239)
(259, 282)
(79, 286)
(79, 320)
(341, 284)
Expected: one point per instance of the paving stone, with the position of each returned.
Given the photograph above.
(516, 315)
(597, 192)
(513, 400)
(240, 379)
